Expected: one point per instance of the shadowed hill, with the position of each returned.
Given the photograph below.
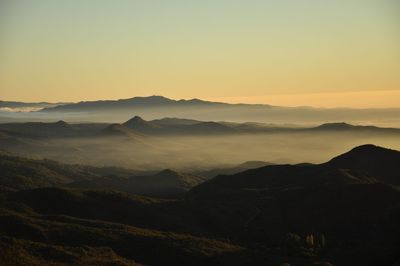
(22, 173)
(362, 165)
(175, 126)
(68, 240)
(166, 183)
(350, 200)
(38, 129)
(376, 161)
(42, 130)
(335, 127)
(118, 130)
(138, 124)
(349, 207)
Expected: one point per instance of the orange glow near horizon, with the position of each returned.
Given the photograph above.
(357, 99)
(314, 53)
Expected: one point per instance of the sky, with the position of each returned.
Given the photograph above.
(289, 52)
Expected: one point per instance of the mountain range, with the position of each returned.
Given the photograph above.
(138, 127)
(156, 107)
(348, 205)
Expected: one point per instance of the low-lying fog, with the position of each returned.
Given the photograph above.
(201, 152)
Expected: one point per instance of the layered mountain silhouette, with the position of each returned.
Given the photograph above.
(352, 128)
(16, 105)
(367, 164)
(174, 126)
(137, 126)
(151, 101)
(159, 106)
(137, 123)
(38, 129)
(349, 207)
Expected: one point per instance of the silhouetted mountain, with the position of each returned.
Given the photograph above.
(16, 105)
(140, 125)
(118, 130)
(261, 216)
(175, 126)
(335, 126)
(363, 165)
(151, 101)
(348, 200)
(38, 129)
(22, 173)
(156, 107)
(381, 163)
(347, 127)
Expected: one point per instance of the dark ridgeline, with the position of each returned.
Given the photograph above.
(345, 211)
(135, 102)
(138, 127)
(159, 106)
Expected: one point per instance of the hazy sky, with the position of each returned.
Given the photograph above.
(287, 52)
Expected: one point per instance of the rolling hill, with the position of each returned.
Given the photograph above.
(166, 183)
(350, 206)
(19, 173)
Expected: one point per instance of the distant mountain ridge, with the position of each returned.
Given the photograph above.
(153, 101)
(137, 126)
(14, 104)
(156, 107)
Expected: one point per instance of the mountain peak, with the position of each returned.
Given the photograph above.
(154, 99)
(369, 150)
(61, 124)
(335, 126)
(139, 123)
(375, 160)
(167, 172)
(134, 121)
(137, 119)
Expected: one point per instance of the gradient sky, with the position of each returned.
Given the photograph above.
(287, 52)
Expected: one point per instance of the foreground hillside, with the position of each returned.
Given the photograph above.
(345, 211)
(19, 173)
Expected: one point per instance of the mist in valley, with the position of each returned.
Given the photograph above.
(196, 153)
